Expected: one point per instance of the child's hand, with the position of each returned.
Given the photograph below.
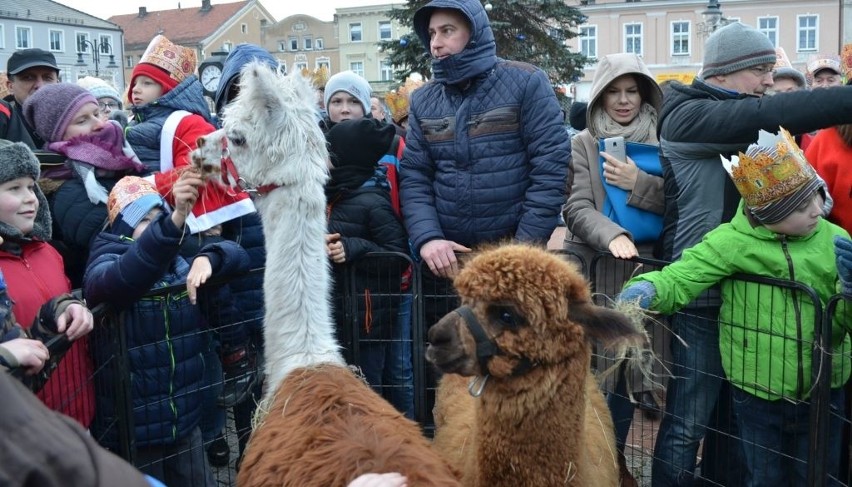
(200, 271)
(185, 192)
(30, 354)
(334, 248)
(76, 321)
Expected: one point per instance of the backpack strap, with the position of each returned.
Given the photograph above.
(167, 137)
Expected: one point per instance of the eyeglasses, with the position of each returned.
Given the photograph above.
(761, 71)
(108, 106)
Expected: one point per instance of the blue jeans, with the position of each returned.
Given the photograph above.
(691, 398)
(387, 364)
(775, 438)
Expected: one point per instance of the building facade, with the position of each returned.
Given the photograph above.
(82, 44)
(207, 29)
(670, 34)
(303, 42)
(360, 29)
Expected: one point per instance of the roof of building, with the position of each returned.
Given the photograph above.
(184, 26)
(52, 12)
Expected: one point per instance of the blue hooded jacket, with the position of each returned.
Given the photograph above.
(239, 57)
(487, 157)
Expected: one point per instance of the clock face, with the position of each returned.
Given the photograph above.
(210, 77)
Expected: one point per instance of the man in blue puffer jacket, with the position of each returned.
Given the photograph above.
(487, 156)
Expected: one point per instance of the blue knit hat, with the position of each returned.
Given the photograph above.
(735, 47)
(351, 83)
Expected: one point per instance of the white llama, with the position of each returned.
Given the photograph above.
(320, 425)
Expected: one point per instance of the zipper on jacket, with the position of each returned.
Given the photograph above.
(800, 373)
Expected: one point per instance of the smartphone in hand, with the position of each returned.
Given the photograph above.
(614, 146)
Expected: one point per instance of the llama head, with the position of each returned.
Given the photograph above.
(533, 307)
(270, 133)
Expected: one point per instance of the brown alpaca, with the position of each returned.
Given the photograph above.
(325, 416)
(540, 419)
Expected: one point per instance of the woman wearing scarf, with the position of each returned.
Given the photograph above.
(67, 117)
(624, 101)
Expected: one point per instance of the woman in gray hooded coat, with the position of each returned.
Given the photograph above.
(624, 102)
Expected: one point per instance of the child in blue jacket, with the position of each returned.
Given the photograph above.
(139, 252)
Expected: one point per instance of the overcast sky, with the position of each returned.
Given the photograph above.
(321, 9)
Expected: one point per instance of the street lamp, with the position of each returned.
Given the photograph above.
(713, 18)
(96, 54)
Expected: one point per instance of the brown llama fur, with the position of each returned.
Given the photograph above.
(545, 426)
(325, 428)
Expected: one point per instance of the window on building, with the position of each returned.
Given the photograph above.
(633, 38)
(227, 46)
(386, 70)
(282, 66)
(82, 42)
(244, 28)
(2, 37)
(300, 66)
(308, 43)
(589, 41)
(128, 61)
(807, 32)
(105, 44)
(324, 62)
(384, 30)
(56, 40)
(282, 45)
(319, 44)
(680, 38)
(355, 32)
(769, 26)
(294, 44)
(23, 38)
(357, 67)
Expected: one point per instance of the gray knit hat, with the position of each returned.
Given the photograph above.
(18, 161)
(790, 73)
(351, 83)
(736, 47)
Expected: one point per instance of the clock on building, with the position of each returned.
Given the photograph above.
(210, 72)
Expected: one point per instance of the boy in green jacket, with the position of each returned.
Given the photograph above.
(766, 332)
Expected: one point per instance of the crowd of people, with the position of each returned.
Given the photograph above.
(97, 194)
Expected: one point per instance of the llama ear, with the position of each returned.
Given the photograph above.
(199, 142)
(603, 324)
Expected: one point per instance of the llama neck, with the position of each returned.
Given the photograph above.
(298, 329)
(534, 433)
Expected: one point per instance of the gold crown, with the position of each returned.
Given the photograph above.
(781, 59)
(846, 59)
(176, 60)
(398, 100)
(773, 168)
(318, 76)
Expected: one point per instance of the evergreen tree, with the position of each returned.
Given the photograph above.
(532, 31)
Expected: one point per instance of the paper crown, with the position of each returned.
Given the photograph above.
(781, 59)
(824, 61)
(846, 61)
(398, 100)
(178, 61)
(771, 169)
(318, 76)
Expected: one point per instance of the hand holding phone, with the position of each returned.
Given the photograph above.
(614, 146)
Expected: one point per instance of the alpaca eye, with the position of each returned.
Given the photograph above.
(506, 316)
(238, 141)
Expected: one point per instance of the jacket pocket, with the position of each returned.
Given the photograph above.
(438, 129)
(496, 121)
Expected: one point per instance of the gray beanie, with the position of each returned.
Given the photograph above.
(18, 161)
(351, 83)
(790, 73)
(735, 47)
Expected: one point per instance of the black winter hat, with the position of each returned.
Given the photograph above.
(577, 115)
(359, 142)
